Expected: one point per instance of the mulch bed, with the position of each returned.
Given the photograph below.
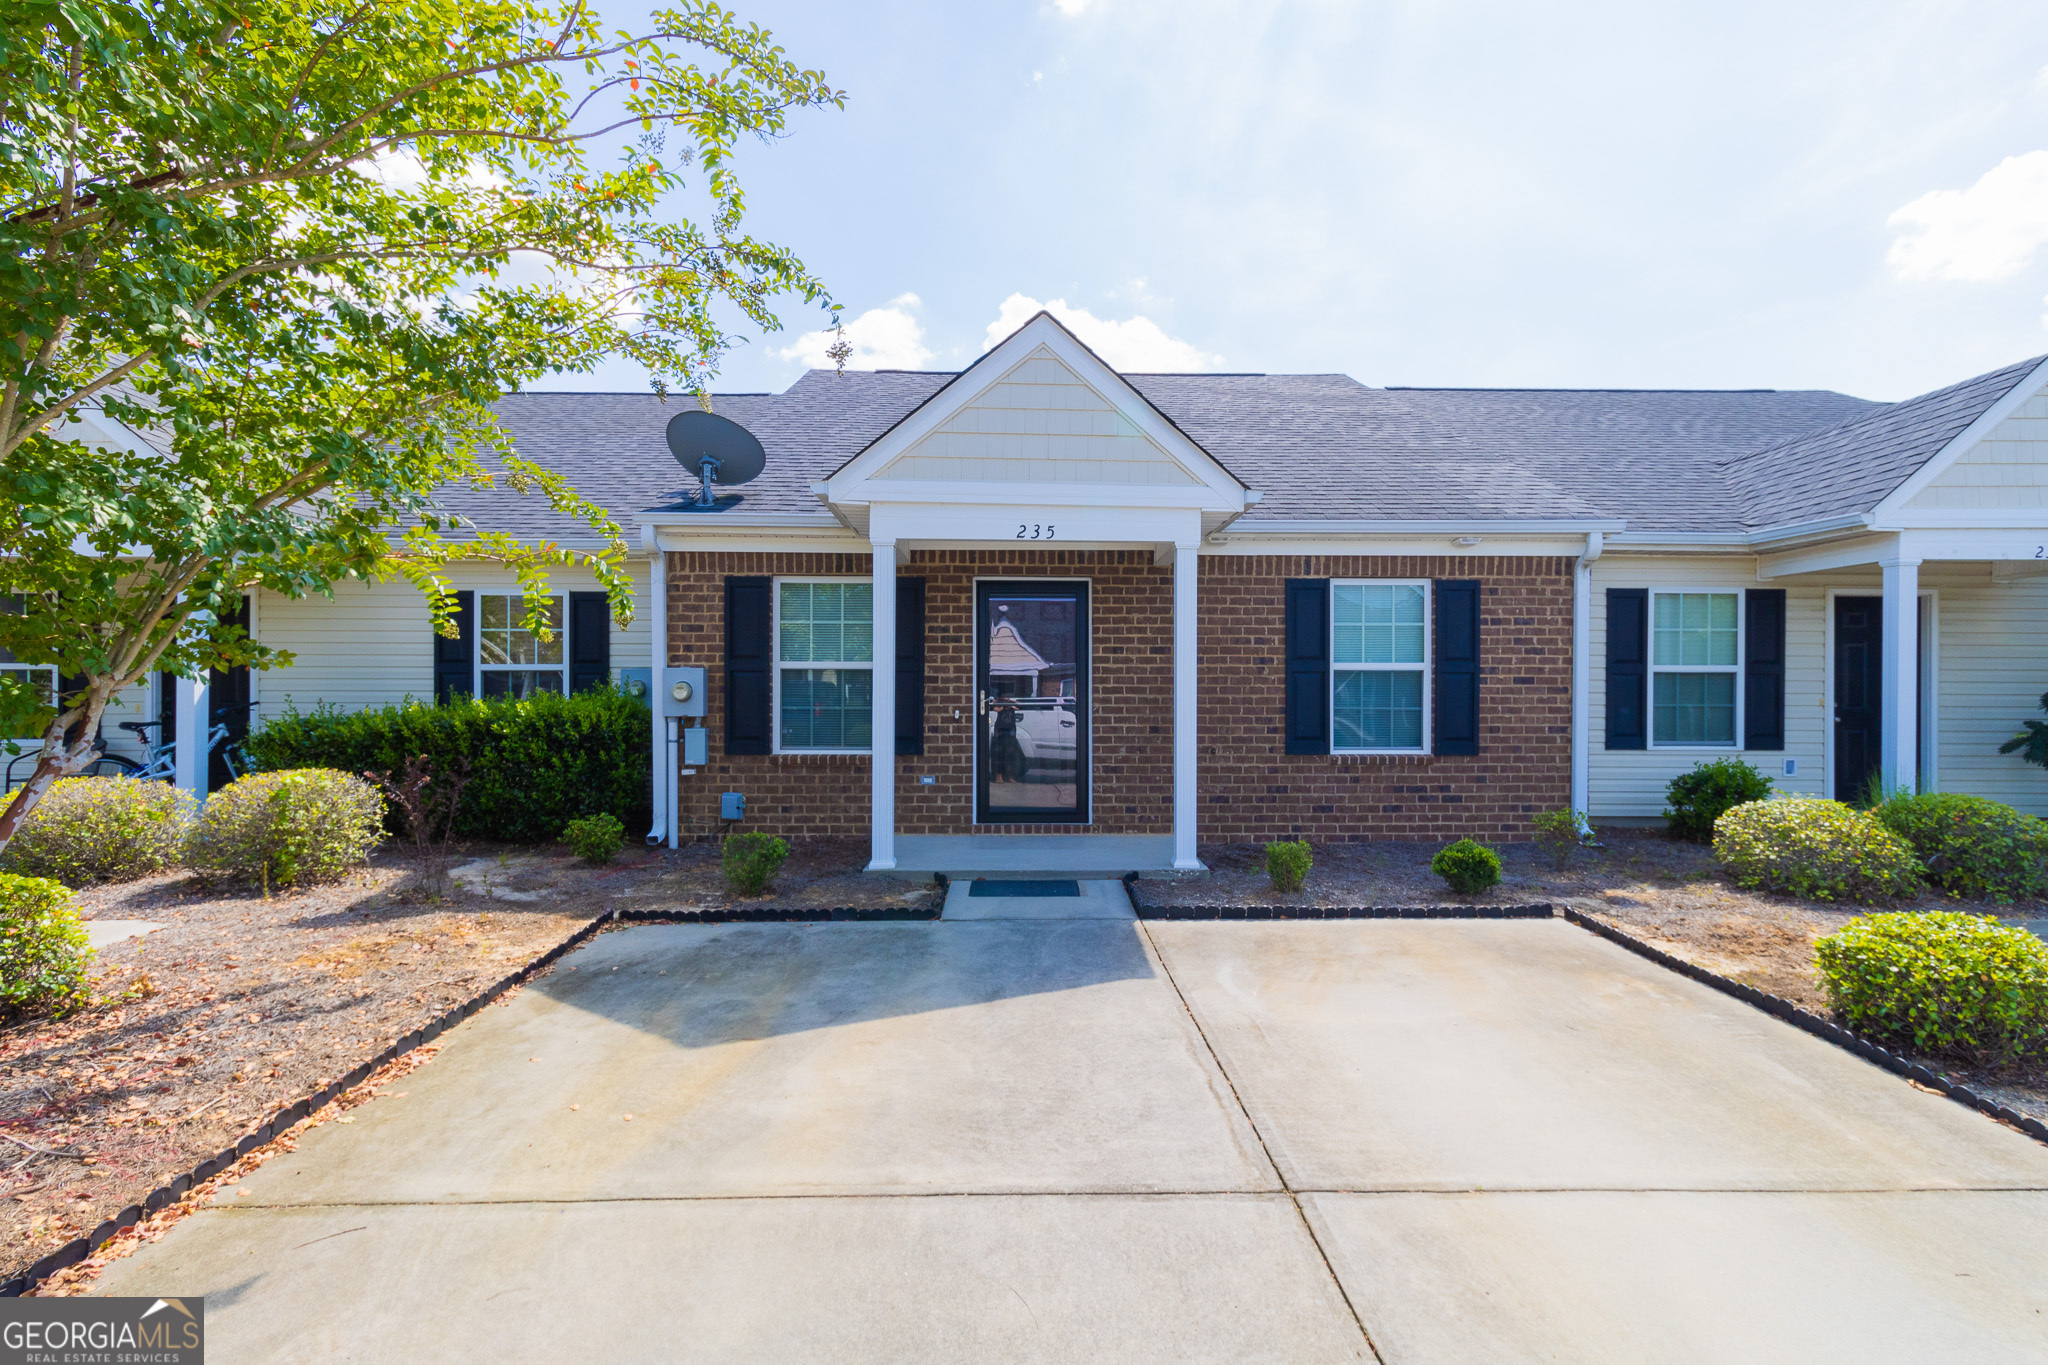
(1669, 893)
(241, 1004)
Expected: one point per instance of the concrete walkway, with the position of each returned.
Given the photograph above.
(1094, 1139)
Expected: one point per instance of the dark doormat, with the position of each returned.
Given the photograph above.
(981, 886)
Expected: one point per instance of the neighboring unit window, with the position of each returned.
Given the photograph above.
(1379, 658)
(41, 677)
(511, 660)
(824, 657)
(1695, 645)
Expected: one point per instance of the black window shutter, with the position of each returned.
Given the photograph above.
(749, 617)
(455, 660)
(1628, 659)
(590, 640)
(1455, 708)
(1763, 668)
(909, 665)
(1308, 665)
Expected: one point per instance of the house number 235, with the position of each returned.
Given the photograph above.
(1032, 531)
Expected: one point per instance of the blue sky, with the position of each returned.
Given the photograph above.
(1804, 195)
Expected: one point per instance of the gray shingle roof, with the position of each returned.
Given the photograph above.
(1322, 447)
(1852, 466)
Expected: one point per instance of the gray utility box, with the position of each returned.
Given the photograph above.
(682, 691)
(696, 747)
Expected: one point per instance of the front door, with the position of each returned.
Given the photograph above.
(1031, 703)
(1859, 694)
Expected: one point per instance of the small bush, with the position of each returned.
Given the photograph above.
(532, 765)
(750, 861)
(1960, 985)
(1972, 847)
(1699, 798)
(1287, 863)
(305, 825)
(595, 838)
(1559, 833)
(1467, 866)
(43, 948)
(101, 829)
(1822, 850)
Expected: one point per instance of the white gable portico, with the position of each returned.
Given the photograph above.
(1038, 445)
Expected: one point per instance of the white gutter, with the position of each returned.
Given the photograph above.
(1582, 670)
(662, 831)
(1443, 526)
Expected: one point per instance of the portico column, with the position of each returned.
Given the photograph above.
(1900, 718)
(1185, 628)
(883, 729)
(189, 763)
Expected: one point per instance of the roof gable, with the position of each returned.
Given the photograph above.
(1039, 411)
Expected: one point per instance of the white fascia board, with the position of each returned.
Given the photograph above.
(1036, 526)
(854, 481)
(1988, 420)
(1444, 526)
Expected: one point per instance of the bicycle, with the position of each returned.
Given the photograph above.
(159, 758)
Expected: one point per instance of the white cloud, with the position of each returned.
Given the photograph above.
(882, 339)
(1070, 8)
(1136, 344)
(1989, 231)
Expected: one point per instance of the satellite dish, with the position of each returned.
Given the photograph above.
(718, 448)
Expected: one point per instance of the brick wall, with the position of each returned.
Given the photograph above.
(1249, 788)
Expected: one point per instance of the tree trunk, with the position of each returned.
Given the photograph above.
(58, 759)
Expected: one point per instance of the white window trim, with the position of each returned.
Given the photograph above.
(775, 663)
(1653, 668)
(477, 665)
(1427, 667)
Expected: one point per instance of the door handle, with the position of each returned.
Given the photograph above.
(983, 707)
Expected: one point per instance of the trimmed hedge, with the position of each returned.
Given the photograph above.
(1953, 984)
(1970, 846)
(1468, 866)
(1288, 862)
(534, 765)
(1700, 797)
(44, 952)
(302, 825)
(1822, 850)
(101, 829)
(751, 860)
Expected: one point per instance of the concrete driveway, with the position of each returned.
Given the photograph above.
(1102, 1140)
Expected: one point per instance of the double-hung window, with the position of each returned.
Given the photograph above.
(1695, 654)
(1379, 657)
(42, 678)
(512, 661)
(824, 665)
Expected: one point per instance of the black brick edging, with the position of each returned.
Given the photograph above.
(1538, 910)
(78, 1248)
(1813, 1023)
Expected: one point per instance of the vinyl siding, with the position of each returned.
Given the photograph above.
(371, 643)
(1993, 667)
(1630, 783)
(2007, 469)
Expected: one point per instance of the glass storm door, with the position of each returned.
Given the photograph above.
(1031, 703)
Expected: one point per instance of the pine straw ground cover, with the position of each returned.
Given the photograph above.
(242, 1005)
(1667, 892)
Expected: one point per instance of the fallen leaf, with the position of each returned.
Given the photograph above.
(574, 1107)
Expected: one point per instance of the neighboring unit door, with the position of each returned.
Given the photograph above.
(228, 698)
(1031, 703)
(1859, 694)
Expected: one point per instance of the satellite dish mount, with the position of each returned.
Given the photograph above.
(720, 450)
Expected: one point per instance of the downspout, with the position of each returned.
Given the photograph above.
(664, 783)
(1582, 671)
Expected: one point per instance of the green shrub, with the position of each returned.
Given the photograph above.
(750, 861)
(1467, 866)
(533, 765)
(43, 948)
(304, 825)
(101, 829)
(1822, 850)
(1948, 983)
(1559, 833)
(1287, 863)
(595, 838)
(1972, 847)
(1698, 798)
